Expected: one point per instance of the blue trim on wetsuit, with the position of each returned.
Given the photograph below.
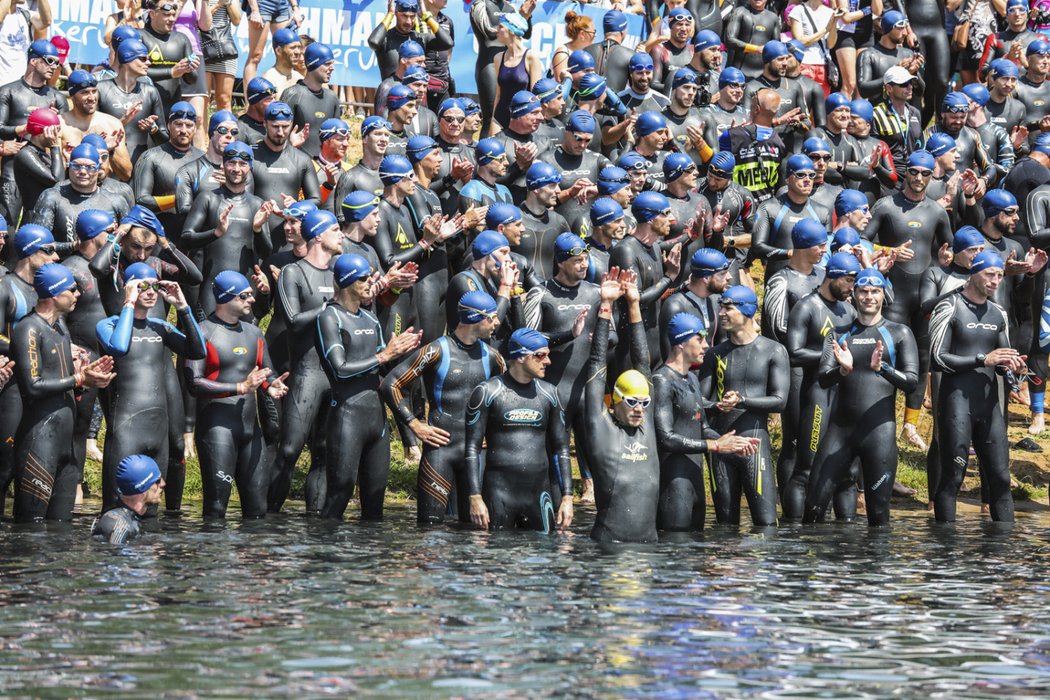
(442, 371)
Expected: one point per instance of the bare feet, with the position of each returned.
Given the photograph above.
(189, 451)
(911, 434)
(588, 491)
(986, 509)
(900, 489)
(1038, 424)
(93, 452)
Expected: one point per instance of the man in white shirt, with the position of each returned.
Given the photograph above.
(17, 30)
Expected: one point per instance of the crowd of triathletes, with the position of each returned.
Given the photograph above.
(572, 251)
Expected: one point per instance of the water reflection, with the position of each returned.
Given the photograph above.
(295, 606)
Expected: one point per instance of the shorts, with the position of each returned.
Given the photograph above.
(199, 87)
(845, 40)
(273, 11)
(817, 74)
(227, 66)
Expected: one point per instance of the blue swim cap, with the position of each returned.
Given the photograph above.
(92, 222)
(373, 123)
(605, 210)
(632, 161)
(842, 265)
(141, 217)
(580, 121)
(470, 106)
(723, 163)
(678, 14)
(406, 5)
(238, 150)
(41, 48)
(523, 102)
(797, 49)
(131, 50)
(848, 201)
(580, 60)
(299, 210)
(80, 80)
(316, 55)
(3, 223)
(640, 61)
(893, 19)
(939, 143)
(1038, 46)
(333, 127)
(967, 237)
(399, 96)
(863, 109)
(1042, 144)
(228, 284)
(259, 88)
(487, 243)
(676, 165)
(526, 341)
(283, 37)
(317, 222)
(591, 87)
(773, 50)
(1003, 68)
(742, 298)
(223, 115)
(614, 21)
(921, 159)
(182, 110)
(845, 236)
(870, 277)
(136, 474)
(358, 205)
(731, 76)
(683, 327)
(649, 123)
(85, 151)
(448, 104)
(488, 150)
(611, 180)
(986, 259)
(648, 205)
(547, 90)
(122, 33)
(139, 272)
(541, 174)
(278, 111)
(350, 268)
(415, 74)
(815, 145)
(835, 100)
(955, 101)
(30, 238)
(997, 201)
(393, 169)
(1011, 4)
(52, 279)
(684, 76)
(475, 306)
(97, 141)
(515, 23)
(419, 147)
(565, 244)
(706, 39)
(977, 93)
(798, 162)
(500, 214)
(807, 233)
(707, 261)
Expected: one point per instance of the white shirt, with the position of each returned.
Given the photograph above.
(15, 37)
(821, 16)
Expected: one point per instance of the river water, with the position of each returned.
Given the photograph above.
(294, 606)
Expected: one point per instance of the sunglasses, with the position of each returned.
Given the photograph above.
(224, 130)
(1010, 212)
(49, 249)
(804, 175)
(246, 156)
(183, 114)
(1017, 11)
(584, 138)
(3, 235)
(454, 120)
(147, 286)
(574, 251)
(83, 167)
(245, 296)
(542, 355)
(166, 8)
(823, 157)
(956, 109)
(920, 172)
(637, 402)
(51, 61)
(665, 212)
(338, 131)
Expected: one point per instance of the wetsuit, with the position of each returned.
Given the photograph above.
(467, 281)
(36, 170)
(166, 50)
(45, 469)
(432, 284)
(886, 176)
(114, 101)
(446, 188)
(610, 61)
(288, 171)
(385, 42)
(484, 24)
(808, 325)
(228, 436)
(17, 299)
(58, 207)
(17, 102)
(118, 525)
(523, 428)
(717, 120)
(359, 177)
(1008, 114)
(969, 404)
(685, 301)
(118, 190)
(154, 182)
(745, 26)
(759, 372)
(302, 291)
(450, 370)
(625, 460)
(679, 125)
(1037, 218)
(1035, 97)
(1026, 175)
(573, 168)
(971, 151)
(442, 85)
(771, 236)
(927, 23)
(646, 261)
(138, 398)
(681, 435)
(792, 95)
(738, 202)
(515, 177)
(666, 58)
(783, 290)
(863, 421)
(313, 108)
(872, 64)
(359, 443)
(252, 130)
(537, 240)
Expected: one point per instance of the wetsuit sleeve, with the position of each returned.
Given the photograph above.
(1044, 325)
(798, 322)
(31, 163)
(477, 423)
(760, 236)
(734, 41)
(142, 183)
(928, 291)
(7, 129)
(377, 39)
(594, 389)
(114, 333)
(26, 354)
(776, 307)
(184, 198)
(533, 309)
(828, 374)
(868, 85)
(190, 344)
(334, 353)
(558, 441)
(777, 386)
(311, 185)
(395, 386)
(904, 374)
(43, 212)
(885, 170)
(299, 321)
(667, 439)
(178, 268)
(941, 331)
(195, 233)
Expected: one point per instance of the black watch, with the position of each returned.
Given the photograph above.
(981, 357)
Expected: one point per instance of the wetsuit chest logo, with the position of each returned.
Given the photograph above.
(522, 415)
(983, 326)
(914, 224)
(634, 452)
(240, 351)
(826, 328)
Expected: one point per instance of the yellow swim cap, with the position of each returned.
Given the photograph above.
(630, 383)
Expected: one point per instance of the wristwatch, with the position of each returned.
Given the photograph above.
(981, 357)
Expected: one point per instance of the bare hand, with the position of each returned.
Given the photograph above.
(610, 289)
(259, 281)
(842, 355)
(673, 261)
(298, 138)
(580, 323)
(904, 252)
(278, 389)
(479, 512)
(564, 519)
(429, 434)
(171, 293)
(255, 379)
(945, 255)
(224, 221)
(400, 344)
(146, 124)
(402, 276)
(98, 374)
(876, 356)
(462, 169)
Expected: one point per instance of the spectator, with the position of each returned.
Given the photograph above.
(222, 71)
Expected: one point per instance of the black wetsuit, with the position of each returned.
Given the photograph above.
(58, 207)
(523, 428)
(396, 241)
(863, 421)
(611, 60)
(666, 58)
(745, 26)
(114, 101)
(685, 301)
(514, 180)
(288, 171)
(252, 130)
(313, 108)
(166, 50)
(17, 102)
(385, 42)
(771, 236)
(537, 240)
(228, 436)
(927, 23)
(45, 469)
(717, 120)
(758, 372)
(1008, 114)
(154, 182)
(969, 402)
(358, 439)
(118, 525)
(679, 125)
(138, 398)
(432, 284)
(739, 204)
(783, 290)
(573, 168)
(359, 177)
(302, 291)
(792, 95)
(873, 63)
(808, 325)
(646, 261)
(886, 176)
(36, 170)
(469, 280)
(17, 299)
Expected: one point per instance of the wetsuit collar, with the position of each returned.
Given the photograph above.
(562, 286)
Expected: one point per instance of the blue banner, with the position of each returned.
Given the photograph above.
(345, 26)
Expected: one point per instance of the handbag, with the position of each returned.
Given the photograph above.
(961, 33)
(831, 68)
(218, 45)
